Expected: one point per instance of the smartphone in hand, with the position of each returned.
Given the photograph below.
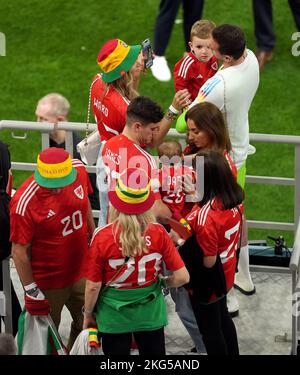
(148, 53)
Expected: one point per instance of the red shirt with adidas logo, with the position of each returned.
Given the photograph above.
(55, 224)
(191, 74)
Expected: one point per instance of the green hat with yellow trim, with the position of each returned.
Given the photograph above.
(54, 168)
(116, 59)
(132, 193)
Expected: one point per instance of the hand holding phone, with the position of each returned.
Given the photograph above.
(148, 53)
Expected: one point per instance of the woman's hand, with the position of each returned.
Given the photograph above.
(174, 236)
(181, 99)
(89, 321)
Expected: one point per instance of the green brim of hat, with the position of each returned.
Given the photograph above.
(126, 65)
(53, 183)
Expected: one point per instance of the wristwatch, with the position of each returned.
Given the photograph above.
(169, 115)
(33, 292)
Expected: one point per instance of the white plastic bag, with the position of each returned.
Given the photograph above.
(82, 346)
(37, 335)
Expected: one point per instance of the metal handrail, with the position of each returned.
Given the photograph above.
(81, 126)
(46, 127)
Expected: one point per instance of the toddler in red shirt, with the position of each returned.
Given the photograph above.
(194, 69)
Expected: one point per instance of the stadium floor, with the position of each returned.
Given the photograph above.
(263, 325)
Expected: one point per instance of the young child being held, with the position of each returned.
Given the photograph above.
(171, 178)
(193, 70)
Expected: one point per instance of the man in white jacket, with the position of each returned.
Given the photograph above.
(232, 89)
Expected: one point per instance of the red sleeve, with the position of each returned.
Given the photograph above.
(117, 107)
(180, 83)
(95, 263)
(120, 118)
(207, 237)
(170, 254)
(21, 227)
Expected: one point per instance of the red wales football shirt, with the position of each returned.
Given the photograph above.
(218, 232)
(120, 153)
(106, 258)
(191, 74)
(171, 179)
(56, 227)
(109, 108)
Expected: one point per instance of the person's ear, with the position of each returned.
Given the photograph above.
(191, 46)
(136, 126)
(228, 59)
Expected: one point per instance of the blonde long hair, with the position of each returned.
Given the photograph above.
(125, 86)
(131, 229)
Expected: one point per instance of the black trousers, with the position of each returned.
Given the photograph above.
(168, 9)
(148, 343)
(217, 327)
(263, 22)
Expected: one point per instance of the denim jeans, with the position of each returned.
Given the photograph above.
(185, 312)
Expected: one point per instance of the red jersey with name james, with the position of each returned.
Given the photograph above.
(120, 153)
(140, 271)
(218, 232)
(109, 108)
(191, 74)
(56, 227)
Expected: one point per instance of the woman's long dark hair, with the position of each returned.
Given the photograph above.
(208, 118)
(219, 182)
